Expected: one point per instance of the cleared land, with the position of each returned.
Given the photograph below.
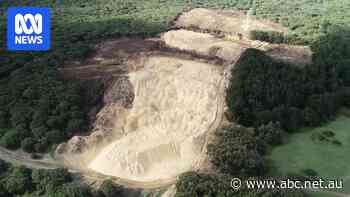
(175, 103)
(204, 44)
(229, 49)
(227, 21)
(165, 98)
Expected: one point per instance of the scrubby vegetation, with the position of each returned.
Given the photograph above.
(240, 151)
(265, 90)
(265, 93)
(20, 181)
(40, 109)
(325, 137)
(306, 18)
(194, 184)
(237, 151)
(275, 37)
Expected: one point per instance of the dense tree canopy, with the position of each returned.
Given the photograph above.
(276, 37)
(40, 109)
(193, 184)
(237, 151)
(19, 181)
(271, 133)
(264, 90)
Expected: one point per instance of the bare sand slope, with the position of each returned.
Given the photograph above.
(230, 50)
(203, 44)
(227, 21)
(175, 104)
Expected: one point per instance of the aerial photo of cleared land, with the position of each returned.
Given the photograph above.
(176, 98)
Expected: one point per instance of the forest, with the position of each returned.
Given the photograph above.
(218, 185)
(273, 98)
(26, 182)
(264, 90)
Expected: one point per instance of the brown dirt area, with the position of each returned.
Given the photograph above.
(203, 44)
(230, 50)
(227, 21)
(111, 59)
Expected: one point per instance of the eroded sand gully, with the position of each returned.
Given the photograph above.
(176, 102)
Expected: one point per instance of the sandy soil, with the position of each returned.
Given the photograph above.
(204, 44)
(230, 50)
(175, 104)
(233, 22)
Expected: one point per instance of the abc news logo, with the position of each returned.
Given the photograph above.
(28, 29)
(36, 26)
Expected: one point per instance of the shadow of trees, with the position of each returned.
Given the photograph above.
(264, 90)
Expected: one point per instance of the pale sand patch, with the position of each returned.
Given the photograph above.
(230, 51)
(227, 21)
(204, 44)
(176, 102)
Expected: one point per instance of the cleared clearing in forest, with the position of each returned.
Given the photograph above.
(175, 104)
(165, 99)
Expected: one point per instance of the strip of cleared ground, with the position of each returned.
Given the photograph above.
(227, 21)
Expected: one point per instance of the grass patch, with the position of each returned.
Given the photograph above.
(303, 153)
(321, 194)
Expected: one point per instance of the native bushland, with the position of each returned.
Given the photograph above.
(237, 151)
(22, 181)
(264, 90)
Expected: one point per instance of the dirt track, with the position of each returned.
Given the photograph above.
(19, 158)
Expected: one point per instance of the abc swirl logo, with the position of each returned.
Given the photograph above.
(28, 29)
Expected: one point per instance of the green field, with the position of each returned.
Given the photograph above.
(327, 159)
(320, 194)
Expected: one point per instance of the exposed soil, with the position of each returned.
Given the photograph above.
(229, 49)
(204, 44)
(167, 96)
(110, 60)
(164, 98)
(163, 134)
(227, 21)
